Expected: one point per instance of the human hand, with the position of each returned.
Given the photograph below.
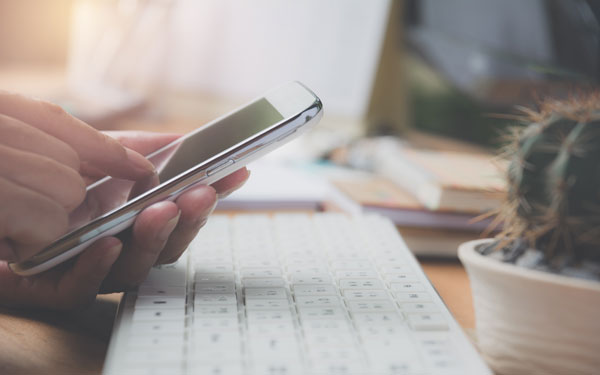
(44, 152)
(160, 234)
(163, 231)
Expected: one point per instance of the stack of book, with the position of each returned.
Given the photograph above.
(437, 199)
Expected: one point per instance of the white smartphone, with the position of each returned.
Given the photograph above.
(201, 157)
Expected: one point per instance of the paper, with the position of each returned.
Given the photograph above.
(273, 186)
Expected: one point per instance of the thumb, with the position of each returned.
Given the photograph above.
(81, 283)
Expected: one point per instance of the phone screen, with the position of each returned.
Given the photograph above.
(109, 194)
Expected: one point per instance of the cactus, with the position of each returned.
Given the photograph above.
(553, 199)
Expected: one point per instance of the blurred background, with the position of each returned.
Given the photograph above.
(419, 69)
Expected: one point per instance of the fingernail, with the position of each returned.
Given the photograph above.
(200, 223)
(139, 162)
(166, 231)
(212, 208)
(224, 195)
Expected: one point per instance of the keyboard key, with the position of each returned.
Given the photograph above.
(260, 272)
(329, 339)
(264, 282)
(306, 270)
(333, 354)
(215, 311)
(357, 294)
(265, 293)
(215, 340)
(216, 323)
(158, 315)
(216, 353)
(390, 269)
(419, 307)
(407, 287)
(351, 265)
(161, 290)
(365, 319)
(317, 301)
(203, 268)
(208, 261)
(167, 275)
(310, 279)
(314, 290)
(427, 322)
(339, 367)
(157, 328)
(412, 297)
(322, 313)
(162, 341)
(311, 326)
(217, 288)
(360, 284)
(268, 316)
(371, 306)
(382, 331)
(276, 346)
(155, 369)
(386, 363)
(393, 355)
(258, 263)
(215, 369)
(151, 357)
(279, 366)
(215, 299)
(284, 328)
(355, 274)
(267, 304)
(146, 302)
(408, 277)
(214, 277)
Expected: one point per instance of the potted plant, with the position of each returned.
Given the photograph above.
(536, 286)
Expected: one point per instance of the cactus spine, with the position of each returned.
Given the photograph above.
(553, 200)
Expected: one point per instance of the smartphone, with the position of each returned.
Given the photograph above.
(203, 156)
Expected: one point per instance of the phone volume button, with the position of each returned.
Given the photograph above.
(219, 167)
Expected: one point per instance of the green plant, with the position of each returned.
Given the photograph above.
(553, 200)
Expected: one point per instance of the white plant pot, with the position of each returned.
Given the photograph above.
(533, 322)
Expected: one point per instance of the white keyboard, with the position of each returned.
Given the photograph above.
(290, 294)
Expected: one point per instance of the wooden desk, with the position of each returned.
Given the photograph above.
(49, 342)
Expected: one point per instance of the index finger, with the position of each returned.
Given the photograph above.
(93, 147)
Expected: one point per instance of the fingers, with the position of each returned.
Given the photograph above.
(28, 219)
(58, 289)
(21, 136)
(92, 146)
(7, 251)
(232, 182)
(195, 205)
(143, 142)
(81, 283)
(148, 237)
(44, 176)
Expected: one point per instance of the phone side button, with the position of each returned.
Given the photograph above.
(219, 167)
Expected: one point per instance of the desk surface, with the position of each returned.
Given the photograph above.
(52, 342)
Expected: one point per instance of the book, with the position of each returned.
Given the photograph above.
(435, 243)
(372, 194)
(443, 180)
